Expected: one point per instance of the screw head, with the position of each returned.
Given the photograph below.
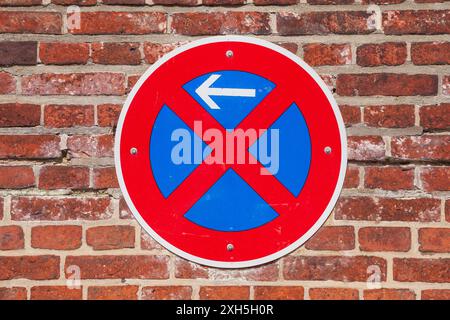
(230, 247)
(327, 150)
(133, 151)
(229, 53)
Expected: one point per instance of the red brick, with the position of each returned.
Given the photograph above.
(84, 84)
(20, 3)
(435, 116)
(290, 46)
(223, 2)
(154, 51)
(58, 209)
(30, 22)
(382, 1)
(7, 83)
(332, 238)
(224, 293)
(377, 54)
(131, 81)
(338, 268)
(63, 177)
(13, 293)
(105, 178)
(55, 293)
(388, 209)
(421, 270)
(45, 267)
(416, 22)
(435, 178)
(212, 23)
(108, 114)
(18, 53)
(1, 208)
(447, 210)
(351, 178)
(76, 2)
(389, 116)
(127, 2)
(19, 115)
(319, 54)
(61, 116)
(426, 147)
(311, 23)
(16, 177)
(110, 237)
(389, 294)
(445, 85)
(167, 293)
(188, 270)
(279, 293)
(110, 22)
(436, 294)
(62, 53)
(423, 53)
(56, 237)
(330, 1)
(366, 148)
(386, 84)
(11, 238)
(123, 266)
(434, 240)
(116, 53)
(113, 293)
(91, 146)
(176, 2)
(389, 178)
(147, 242)
(124, 211)
(274, 2)
(350, 114)
(384, 239)
(333, 294)
(29, 146)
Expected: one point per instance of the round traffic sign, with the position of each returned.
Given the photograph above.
(230, 151)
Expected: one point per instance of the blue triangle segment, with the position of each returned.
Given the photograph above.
(168, 131)
(231, 205)
(233, 109)
(294, 154)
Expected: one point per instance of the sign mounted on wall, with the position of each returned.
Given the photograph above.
(230, 151)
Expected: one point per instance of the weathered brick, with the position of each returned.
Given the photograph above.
(366, 148)
(16, 177)
(19, 115)
(223, 2)
(61, 116)
(18, 53)
(416, 22)
(60, 208)
(154, 51)
(333, 294)
(319, 54)
(62, 53)
(127, 2)
(384, 239)
(389, 294)
(7, 83)
(430, 53)
(386, 84)
(426, 147)
(377, 54)
(337, 2)
(131, 81)
(13, 293)
(332, 238)
(123, 266)
(45, 267)
(110, 237)
(338, 268)
(56, 237)
(436, 294)
(279, 293)
(310, 23)
(445, 85)
(274, 2)
(30, 22)
(108, 114)
(63, 177)
(435, 178)
(124, 211)
(350, 114)
(29, 146)
(105, 178)
(166, 293)
(85, 84)
(389, 178)
(55, 293)
(111, 22)
(435, 116)
(113, 293)
(116, 53)
(76, 2)
(91, 146)
(351, 178)
(389, 116)
(20, 3)
(147, 242)
(224, 293)
(434, 239)
(388, 209)
(212, 23)
(176, 2)
(11, 238)
(421, 270)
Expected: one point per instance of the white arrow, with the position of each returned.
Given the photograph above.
(205, 91)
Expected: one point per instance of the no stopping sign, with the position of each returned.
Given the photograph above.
(230, 151)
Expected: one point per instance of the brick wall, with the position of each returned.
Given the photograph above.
(61, 90)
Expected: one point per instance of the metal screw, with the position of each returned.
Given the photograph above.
(230, 247)
(229, 53)
(133, 151)
(327, 150)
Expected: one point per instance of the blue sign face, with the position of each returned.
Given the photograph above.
(231, 204)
